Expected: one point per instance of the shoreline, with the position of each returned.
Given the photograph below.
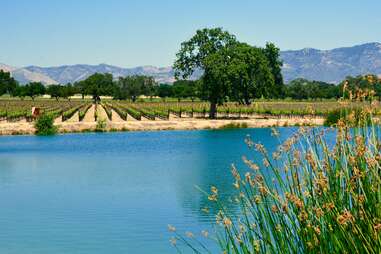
(26, 128)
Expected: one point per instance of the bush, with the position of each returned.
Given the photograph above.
(234, 126)
(333, 117)
(45, 125)
(101, 125)
(351, 117)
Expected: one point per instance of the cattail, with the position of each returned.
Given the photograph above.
(171, 228)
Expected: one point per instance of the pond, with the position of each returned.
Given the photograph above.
(114, 192)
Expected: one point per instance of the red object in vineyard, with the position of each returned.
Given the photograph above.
(35, 112)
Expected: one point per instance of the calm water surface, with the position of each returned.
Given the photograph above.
(113, 192)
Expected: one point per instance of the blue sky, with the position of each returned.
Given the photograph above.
(149, 32)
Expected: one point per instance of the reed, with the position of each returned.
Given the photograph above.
(312, 195)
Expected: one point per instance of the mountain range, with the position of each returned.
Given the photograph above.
(313, 64)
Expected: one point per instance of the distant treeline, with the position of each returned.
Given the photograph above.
(131, 87)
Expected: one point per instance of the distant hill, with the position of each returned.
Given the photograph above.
(73, 73)
(313, 64)
(24, 76)
(332, 65)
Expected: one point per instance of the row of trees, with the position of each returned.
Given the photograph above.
(99, 84)
(367, 86)
(134, 86)
(349, 88)
(300, 89)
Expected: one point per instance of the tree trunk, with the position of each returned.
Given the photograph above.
(213, 110)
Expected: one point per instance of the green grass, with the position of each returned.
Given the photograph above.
(234, 126)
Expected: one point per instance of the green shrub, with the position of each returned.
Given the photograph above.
(101, 125)
(333, 117)
(234, 126)
(45, 125)
(351, 117)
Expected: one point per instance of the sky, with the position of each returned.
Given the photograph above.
(130, 33)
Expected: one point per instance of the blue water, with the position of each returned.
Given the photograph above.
(113, 192)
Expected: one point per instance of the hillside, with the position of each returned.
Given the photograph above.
(313, 64)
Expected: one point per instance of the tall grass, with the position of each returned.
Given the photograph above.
(312, 195)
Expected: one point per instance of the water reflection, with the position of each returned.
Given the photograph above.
(115, 192)
(216, 151)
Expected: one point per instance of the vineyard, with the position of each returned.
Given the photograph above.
(17, 110)
(164, 110)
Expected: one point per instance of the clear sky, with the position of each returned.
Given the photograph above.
(149, 32)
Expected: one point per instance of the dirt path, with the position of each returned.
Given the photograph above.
(89, 117)
(130, 118)
(58, 120)
(102, 115)
(184, 124)
(115, 117)
(74, 118)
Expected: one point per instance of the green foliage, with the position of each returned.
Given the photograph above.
(351, 117)
(54, 91)
(234, 126)
(164, 91)
(232, 70)
(70, 112)
(247, 72)
(133, 86)
(101, 125)
(272, 54)
(199, 53)
(304, 89)
(83, 110)
(182, 89)
(96, 85)
(32, 90)
(60, 91)
(45, 125)
(194, 51)
(107, 110)
(354, 87)
(8, 84)
(333, 117)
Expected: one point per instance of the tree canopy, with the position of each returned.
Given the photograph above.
(304, 89)
(133, 86)
(32, 90)
(272, 54)
(8, 84)
(97, 84)
(231, 70)
(361, 84)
